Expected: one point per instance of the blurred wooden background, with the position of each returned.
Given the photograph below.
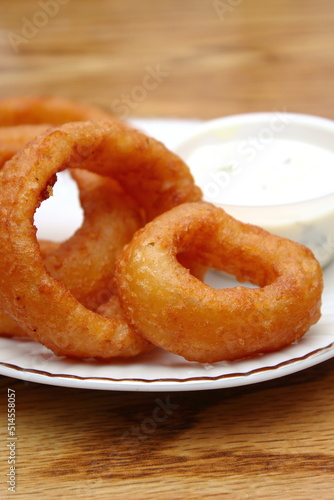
(213, 57)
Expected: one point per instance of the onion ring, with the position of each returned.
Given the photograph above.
(21, 120)
(157, 180)
(85, 262)
(84, 266)
(22, 112)
(173, 310)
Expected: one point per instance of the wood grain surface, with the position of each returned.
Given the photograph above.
(175, 58)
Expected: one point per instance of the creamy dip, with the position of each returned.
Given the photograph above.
(283, 185)
(255, 173)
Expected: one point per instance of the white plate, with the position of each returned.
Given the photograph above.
(159, 370)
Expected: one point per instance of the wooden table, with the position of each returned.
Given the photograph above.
(206, 59)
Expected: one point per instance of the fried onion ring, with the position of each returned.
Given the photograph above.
(157, 180)
(172, 309)
(85, 262)
(24, 119)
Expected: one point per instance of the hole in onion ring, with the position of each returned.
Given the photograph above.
(221, 279)
(61, 214)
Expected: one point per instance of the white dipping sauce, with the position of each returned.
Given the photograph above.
(282, 172)
(269, 169)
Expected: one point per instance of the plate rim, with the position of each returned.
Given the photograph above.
(253, 376)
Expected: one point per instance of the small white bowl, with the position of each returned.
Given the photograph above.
(275, 170)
